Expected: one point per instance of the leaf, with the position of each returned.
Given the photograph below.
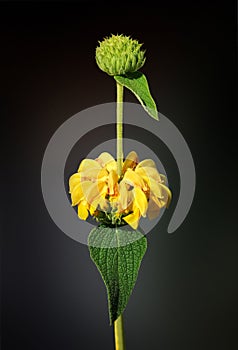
(117, 253)
(137, 83)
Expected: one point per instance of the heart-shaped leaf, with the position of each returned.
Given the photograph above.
(117, 253)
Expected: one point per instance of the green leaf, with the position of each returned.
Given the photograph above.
(137, 83)
(117, 253)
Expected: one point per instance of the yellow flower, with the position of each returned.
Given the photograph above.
(97, 189)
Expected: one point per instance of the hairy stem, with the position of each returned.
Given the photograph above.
(119, 334)
(119, 128)
(118, 324)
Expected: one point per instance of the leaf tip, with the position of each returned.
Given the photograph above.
(153, 113)
(157, 116)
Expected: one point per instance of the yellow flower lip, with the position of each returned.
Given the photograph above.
(97, 190)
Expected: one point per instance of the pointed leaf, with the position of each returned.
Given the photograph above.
(137, 83)
(117, 253)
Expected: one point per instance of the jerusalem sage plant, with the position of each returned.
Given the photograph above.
(117, 193)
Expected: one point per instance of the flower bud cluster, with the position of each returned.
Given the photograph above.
(119, 54)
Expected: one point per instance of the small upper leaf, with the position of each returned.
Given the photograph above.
(137, 83)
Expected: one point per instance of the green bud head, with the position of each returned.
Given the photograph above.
(119, 54)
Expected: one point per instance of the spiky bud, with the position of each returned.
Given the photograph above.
(119, 54)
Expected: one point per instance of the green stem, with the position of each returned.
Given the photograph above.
(119, 334)
(119, 128)
(118, 324)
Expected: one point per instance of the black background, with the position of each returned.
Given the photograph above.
(52, 296)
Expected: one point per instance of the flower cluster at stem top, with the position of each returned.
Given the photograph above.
(98, 190)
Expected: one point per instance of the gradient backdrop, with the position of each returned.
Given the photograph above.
(52, 296)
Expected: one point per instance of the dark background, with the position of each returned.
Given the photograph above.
(52, 296)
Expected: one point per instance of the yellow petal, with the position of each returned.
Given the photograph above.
(87, 186)
(111, 166)
(148, 172)
(94, 175)
(130, 162)
(102, 175)
(112, 182)
(104, 159)
(123, 198)
(164, 197)
(94, 191)
(168, 195)
(157, 201)
(133, 219)
(153, 208)
(140, 201)
(82, 211)
(92, 209)
(100, 203)
(163, 178)
(77, 194)
(133, 179)
(126, 196)
(90, 174)
(147, 162)
(73, 181)
(155, 188)
(88, 164)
